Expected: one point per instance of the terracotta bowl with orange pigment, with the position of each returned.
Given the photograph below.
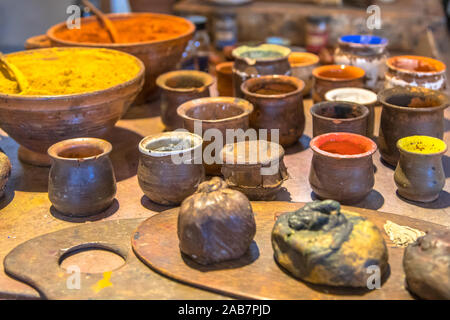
(157, 39)
(334, 76)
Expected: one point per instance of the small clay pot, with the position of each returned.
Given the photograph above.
(357, 95)
(170, 166)
(367, 52)
(255, 61)
(302, 65)
(224, 73)
(407, 112)
(278, 104)
(5, 172)
(330, 77)
(81, 180)
(419, 174)
(339, 116)
(177, 88)
(217, 113)
(415, 71)
(342, 167)
(255, 168)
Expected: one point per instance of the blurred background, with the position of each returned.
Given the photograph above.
(411, 25)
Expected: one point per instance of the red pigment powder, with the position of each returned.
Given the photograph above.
(342, 147)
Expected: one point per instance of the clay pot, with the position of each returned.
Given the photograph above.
(220, 113)
(255, 168)
(170, 166)
(224, 73)
(251, 62)
(5, 172)
(158, 56)
(37, 122)
(357, 95)
(302, 65)
(278, 104)
(37, 42)
(179, 87)
(415, 71)
(426, 263)
(367, 52)
(407, 112)
(419, 175)
(330, 77)
(81, 180)
(342, 167)
(339, 116)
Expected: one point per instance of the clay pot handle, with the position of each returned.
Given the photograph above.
(38, 42)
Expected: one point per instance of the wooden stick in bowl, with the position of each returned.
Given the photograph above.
(104, 20)
(14, 72)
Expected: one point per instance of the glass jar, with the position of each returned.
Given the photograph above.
(225, 30)
(316, 33)
(196, 54)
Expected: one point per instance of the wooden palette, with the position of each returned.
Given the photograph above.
(256, 275)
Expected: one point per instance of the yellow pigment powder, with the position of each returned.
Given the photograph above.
(62, 71)
(421, 144)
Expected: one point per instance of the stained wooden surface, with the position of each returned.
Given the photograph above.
(26, 211)
(37, 263)
(256, 275)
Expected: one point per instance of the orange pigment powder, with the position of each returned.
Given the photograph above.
(130, 30)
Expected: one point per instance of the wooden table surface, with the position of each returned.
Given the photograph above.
(26, 211)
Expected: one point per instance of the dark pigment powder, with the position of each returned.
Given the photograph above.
(339, 112)
(273, 89)
(184, 82)
(413, 101)
(80, 152)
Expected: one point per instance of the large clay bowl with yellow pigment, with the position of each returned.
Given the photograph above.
(157, 39)
(51, 109)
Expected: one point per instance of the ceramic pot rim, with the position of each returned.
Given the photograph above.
(224, 64)
(441, 66)
(363, 91)
(51, 31)
(383, 41)
(60, 146)
(402, 150)
(284, 51)
(139, 75)
(383, 95)
(350, 136)
(206, 79)
(197, 140)
(314, 59)
(298, 83)
(360, 72)
(315, 107)
(242, 104)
